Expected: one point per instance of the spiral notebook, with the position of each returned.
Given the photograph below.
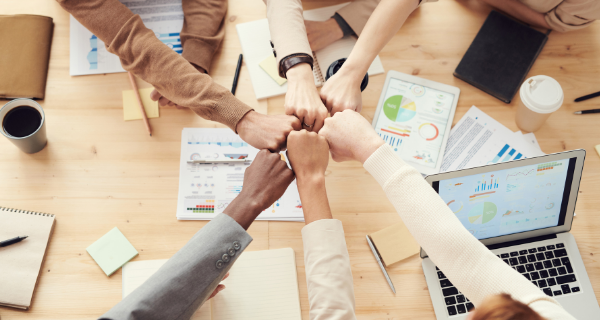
(255, 39)
(20, 263)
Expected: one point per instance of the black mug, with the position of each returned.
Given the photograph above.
(336, 65)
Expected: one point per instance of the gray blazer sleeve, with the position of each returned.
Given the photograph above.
(184, 282)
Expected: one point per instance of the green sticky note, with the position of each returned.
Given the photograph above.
(112, 251)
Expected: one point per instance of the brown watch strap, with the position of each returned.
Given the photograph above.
(288, 62)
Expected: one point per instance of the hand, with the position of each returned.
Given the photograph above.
(342, 91)
(267, 131)
(163, 101)
(219, 288)
(302, 98)
(322, 33)
(308, 153)
(265, 181)
(350, 137)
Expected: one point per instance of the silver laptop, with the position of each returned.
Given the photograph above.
(522, 211)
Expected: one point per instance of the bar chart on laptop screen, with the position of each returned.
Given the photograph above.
(507, 201)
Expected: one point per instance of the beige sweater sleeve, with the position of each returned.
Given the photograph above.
(328, 274)
(286, 24)
(140, 52)
(573, 15)
(469, 265)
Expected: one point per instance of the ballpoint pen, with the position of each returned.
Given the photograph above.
(376, 254)
(12, 241)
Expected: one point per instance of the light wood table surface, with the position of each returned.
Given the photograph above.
(99, 171)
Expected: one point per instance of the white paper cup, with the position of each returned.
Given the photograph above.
(33, 142)
(540, 97)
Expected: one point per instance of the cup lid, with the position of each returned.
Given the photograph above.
(542, 94)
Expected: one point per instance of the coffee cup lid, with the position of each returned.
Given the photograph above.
(541, 94)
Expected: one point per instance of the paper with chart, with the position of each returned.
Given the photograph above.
(88, 54)
(413, 121)
(477, 140)
(205, 189)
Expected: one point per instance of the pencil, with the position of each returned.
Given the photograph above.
(237, 74)
(139, 99)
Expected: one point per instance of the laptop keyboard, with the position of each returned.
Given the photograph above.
(547, 267)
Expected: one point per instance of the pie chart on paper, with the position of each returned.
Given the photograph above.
(399, 108)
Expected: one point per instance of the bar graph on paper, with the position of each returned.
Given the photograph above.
(507, 153)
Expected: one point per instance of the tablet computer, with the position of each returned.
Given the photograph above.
(414, 116)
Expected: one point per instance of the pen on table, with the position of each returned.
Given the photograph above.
(587, 111)
(237, 74)
(12, 241)
(376, 254)
(589, 96)
(218, 161)
(139, 99)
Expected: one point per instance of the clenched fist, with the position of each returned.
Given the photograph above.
(350, 137)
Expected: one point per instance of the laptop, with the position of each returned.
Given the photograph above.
(522, 211)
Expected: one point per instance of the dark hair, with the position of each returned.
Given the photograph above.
(504, 307)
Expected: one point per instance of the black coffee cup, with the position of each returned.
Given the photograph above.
(336, 65)
(23, 123)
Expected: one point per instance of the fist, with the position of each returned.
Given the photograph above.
(308, 153)
(266, 179)
(267, 131)
(350, 137)
(342, 92)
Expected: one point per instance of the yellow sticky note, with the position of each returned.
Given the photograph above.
(598, 149)
(270, 67)
(395, 243)
(131, 110)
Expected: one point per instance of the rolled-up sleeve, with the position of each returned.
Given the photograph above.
(328, 274)
(573, 15)
(286, 24)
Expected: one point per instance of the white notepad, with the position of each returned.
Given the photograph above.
(262, 285)
(255, 39)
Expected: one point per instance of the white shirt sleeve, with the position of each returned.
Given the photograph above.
(467, 263)
(328, 274)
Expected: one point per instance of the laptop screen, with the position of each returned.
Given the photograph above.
(510, 201)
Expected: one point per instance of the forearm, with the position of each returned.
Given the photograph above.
(383, 24)
(184, 282)
(143, 54)
(464, 260)
(314, 198)
(520, 11)
(286, 24)
(328, 272)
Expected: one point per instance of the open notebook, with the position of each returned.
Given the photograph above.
(20, 263)
(255, 39)
(261, 285)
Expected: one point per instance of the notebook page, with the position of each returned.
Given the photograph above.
(20, 263)
(262, 285)
(137, 272)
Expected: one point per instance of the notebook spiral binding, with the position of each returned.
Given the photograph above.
(26, 212)
(317, 70)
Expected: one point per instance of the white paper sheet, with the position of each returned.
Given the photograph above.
(477, 140)
(88, 54)
(205, 189)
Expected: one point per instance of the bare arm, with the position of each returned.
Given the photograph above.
(520, 11)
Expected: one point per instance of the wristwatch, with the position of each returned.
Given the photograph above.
(293, 59)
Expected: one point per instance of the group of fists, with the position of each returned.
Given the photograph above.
(347, 135)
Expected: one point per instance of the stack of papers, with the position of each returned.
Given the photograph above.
(207, 188)
(478, 140)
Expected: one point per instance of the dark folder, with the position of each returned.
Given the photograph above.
(500, 57)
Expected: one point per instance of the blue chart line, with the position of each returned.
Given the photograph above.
(392, 141)
(92, 56)
(509, 155)
(500, 154)
(172, 40)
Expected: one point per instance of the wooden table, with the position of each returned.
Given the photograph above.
(99, 171)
